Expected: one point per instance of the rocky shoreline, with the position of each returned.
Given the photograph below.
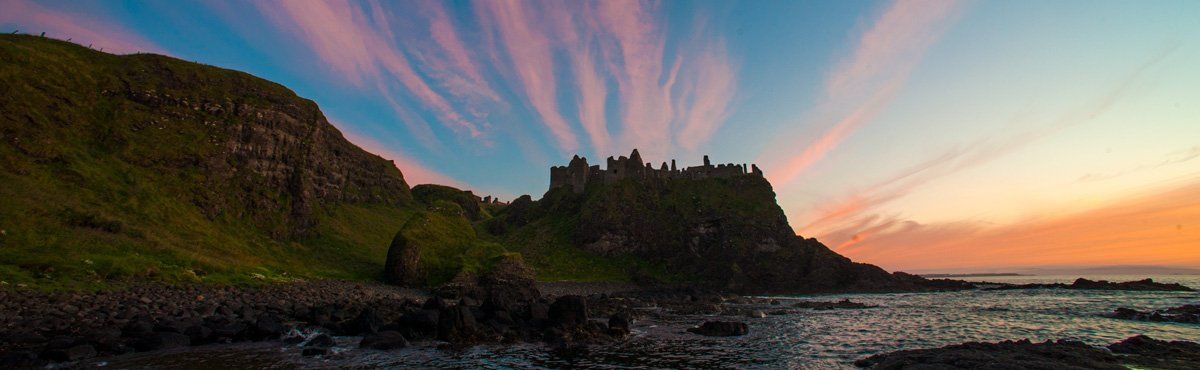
(1134, 352)
(501, 307)
(40, 327)
(46, 328)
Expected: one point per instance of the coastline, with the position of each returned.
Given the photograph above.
(655, 314)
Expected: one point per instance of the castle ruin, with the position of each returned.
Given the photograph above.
(578, 174)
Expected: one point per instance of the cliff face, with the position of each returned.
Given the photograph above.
(145, 166)
(253, 148)
(727, 232)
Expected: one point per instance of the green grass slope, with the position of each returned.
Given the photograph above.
(144, 167)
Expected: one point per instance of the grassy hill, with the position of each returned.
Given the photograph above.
(123, 168)
(135, 167)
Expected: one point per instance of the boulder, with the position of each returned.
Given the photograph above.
(314, 351)
(618, 323)
(268, 326)
(320, 340)
(198, 334)
(161, 340)
(568, 311)
(721, 329)
(509, 286)
(402, 266)
(456, 324)
(384, 340)
(424, 321)
(367, 322)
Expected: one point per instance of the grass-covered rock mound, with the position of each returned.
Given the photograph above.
(437, 244)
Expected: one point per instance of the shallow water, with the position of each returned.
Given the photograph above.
(804, 339)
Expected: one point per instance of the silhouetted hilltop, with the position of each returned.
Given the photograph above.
(719, 225)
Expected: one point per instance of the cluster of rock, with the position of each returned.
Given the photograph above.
(500, 307)
(577, 174)
(838, 305)
(1188, 314)
(37, 327)
(1085, 284)
(1135, 352)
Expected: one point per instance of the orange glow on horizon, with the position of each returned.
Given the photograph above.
(1160, 228)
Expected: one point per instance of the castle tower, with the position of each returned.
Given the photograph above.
(706, 162)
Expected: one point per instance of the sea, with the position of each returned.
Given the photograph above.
(806, 339)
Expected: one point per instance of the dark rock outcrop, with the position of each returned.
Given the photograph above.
(569, 311)
(34, 331)
(719, 226)
(1021, 354)
(1188, 314)
(1158, 354)
(402, 266)
(1085, 284)
(1135, 352)
(384, 340)
(824, 306)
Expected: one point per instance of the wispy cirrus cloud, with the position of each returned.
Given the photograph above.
(452, 62)
(864, 83)
(82, 28)
(530, 56)
(637, 66)
(355, 41)
(616, 54)
(1173, 158)
(705, 102)
(841, 213)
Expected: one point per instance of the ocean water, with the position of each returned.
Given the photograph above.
(803, 339)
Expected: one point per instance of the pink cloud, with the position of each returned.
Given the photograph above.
(577, 36)
(639, 44)
(529, 51)
(456, 67)
(860, 86)
(343, 37)
(82, 28)
(901, 34)
(592, 97)
(709, 91)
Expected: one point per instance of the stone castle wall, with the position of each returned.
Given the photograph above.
(578, 174)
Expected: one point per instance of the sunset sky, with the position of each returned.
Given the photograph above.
(915, 135)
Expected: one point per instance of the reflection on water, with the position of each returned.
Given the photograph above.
(804, 339)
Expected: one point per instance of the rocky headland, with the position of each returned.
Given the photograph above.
(1085, 284)
(716, 226)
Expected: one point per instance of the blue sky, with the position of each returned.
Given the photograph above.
(892, 130)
